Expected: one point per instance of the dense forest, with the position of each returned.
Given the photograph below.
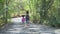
(40, 11)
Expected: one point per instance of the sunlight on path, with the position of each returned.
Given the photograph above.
(16, 27)
(16, 19)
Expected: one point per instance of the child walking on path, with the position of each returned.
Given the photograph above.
(27, 18)
(23, 19)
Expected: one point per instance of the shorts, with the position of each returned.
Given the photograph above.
(27, 21)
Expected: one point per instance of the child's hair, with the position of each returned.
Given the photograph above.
(23, 15)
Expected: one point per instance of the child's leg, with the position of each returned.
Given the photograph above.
(27, 22)
(22, 22)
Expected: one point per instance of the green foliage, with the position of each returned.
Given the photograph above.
(3, 15)
(40, 11)
(48, 11)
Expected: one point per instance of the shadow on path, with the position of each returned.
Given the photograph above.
(19, 28)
